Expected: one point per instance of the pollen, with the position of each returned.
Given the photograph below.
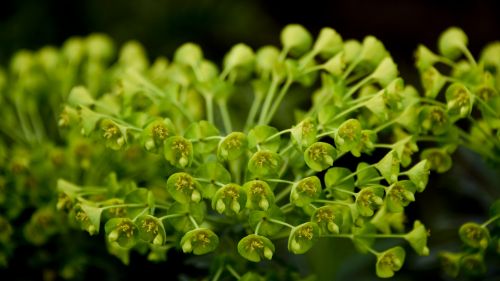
(306, 232)
(111, 131)
(160, 132)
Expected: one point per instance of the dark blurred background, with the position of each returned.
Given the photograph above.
(462, 194)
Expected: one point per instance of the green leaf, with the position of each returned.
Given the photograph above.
(419, 174)
(200, 130)
(213, 172)
(265, 163)
(267, 228)
(199, 241)
(137, 196)
(80, 96)
(390, 261)
(474, 235)
(303, 237)
(261, 135)
(232, 146)
(255, 247)
(178, 151)
(229, 199)
(361, 242)
(305, 191)
(184, 188)
(183, 223)
(388, 166)
(339, 178)
(89, 120)
(320, 156)
(259, 195)
(365, 174)
(121, 232)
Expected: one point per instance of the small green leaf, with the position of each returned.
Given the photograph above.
(432, 81)
(303, 237)
(199, 241)
(418, 239)
(339, 178)
(261, 135)
(320, 156)
(212, 172)
(199, 131)
(255, 247)
(267, 228)
(305, 191)
(419, 174)
(366, 174)
(183, 223)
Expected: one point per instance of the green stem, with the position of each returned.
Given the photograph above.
(276, 135)
(269, 98)
(226, 119)
(171, 216)
(280, 181)
(486, 223)
(209, 104)
(140, 214)
(257, 228)
(468, 55)
(383, 126)
(218, 273)
(278, 100)
(332, 202)
(131, 205)
(210, 181)
(257, 101)
(233, 272)
(487, 106)
(356, 86)
(283, 193)
(281, 222)
(193, 221)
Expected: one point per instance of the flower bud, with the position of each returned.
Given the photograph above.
(266, 59)
(188, 54)
(329, 43)
(296, 39)
(336, 64)
(99, 47)
(451, 42)
(385, 72)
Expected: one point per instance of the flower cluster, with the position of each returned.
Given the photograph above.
(176, 160)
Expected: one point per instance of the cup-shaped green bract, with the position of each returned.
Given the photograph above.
(418, 239)
(266, 60)
(390, 261)
(259, 195)
(385, 72)
(450, 263)
(348, 135)
(369, 199)
(87, 217)
(439, 160)
(459, 101)
(328, 43)
(305, 191)
(239, 61)
(489, 56)
(434, 119)
(199, 131)
(405, 148)
(155, 133)
(399, 195)
(99, 47)
(178, 151)
(261, 219)
(389, 166)
(305, 132)
(184, 188)
(255, 247)
(473, 264)
(432, 81)
(419, 174)
(183, 223)
(214, 173)
(122, 231)
(337, 180)
(80, 96)
(335, 65)
(394, 95)
(262, 136)
(232, 146)
(320, 156)
(329, 219)
(452, 42)
(352, 49)
(113, 134)
(296, 39)
(251, 276)
(366, 143)
(424, 58)
(303, 237)
(229, 199)
(188, 54)
(474, 235)
(151, 230)
(265, 163)
(372, 53)
(199, 241)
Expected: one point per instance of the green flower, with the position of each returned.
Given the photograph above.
(188, 54)
(184, 188)
(435, 119)
(399, 195)
(418, 239)
(328, 43)
(432, 81)
(305, 132)
(389, 166)
(438, 159)
(452, 42)
(459, 101)
(255, 247)
(320, 156)
(229, 199)
(303, 237)
(425, 58)
(474, 235)
(265, 163)
(151, 229)
(369, 199)
(473, 264)
(155, 133)
(122, 231)
(419, 174)
(329, 219)
(390, 261)
(296, 39)
(199, 241)
(450, 263)
(259, 195)
(348, 135)
(88, 217)
(305, 191)
(232, 146)
(178, 151)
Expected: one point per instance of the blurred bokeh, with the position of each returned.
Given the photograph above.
(462, 194)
